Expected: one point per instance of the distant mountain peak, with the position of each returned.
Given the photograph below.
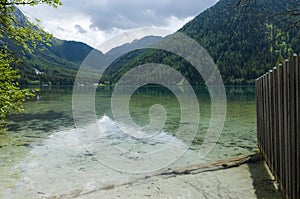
(135, 44)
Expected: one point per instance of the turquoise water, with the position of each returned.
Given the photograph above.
(49, 145)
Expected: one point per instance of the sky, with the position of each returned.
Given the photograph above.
(96, 21)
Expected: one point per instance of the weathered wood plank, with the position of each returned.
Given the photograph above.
(268, 119)
(298, 126)
(275, 150)
(293, 127)
(271, 121)
(280, 124)
(288, 128)
(266, 114)
(257, 98)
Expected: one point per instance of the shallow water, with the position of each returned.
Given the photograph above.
(54, 158)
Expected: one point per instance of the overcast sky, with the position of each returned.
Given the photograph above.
(95, 21)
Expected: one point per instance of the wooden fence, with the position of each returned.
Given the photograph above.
(278, 123)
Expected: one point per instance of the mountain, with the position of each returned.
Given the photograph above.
(59, 62)
(243, 44)
(70, 50)
(55, 64)
(121, 55)
(136, 44)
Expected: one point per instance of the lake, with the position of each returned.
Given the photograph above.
(50, 157)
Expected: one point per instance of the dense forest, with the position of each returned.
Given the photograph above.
(242, 43)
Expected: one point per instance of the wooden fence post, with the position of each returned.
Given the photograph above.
(297, 72)
(280, 123)
(298, 126)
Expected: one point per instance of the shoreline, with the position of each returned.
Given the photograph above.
(244, 176)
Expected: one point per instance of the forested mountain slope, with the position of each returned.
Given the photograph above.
(243, 42)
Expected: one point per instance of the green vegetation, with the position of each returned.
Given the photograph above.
(23, 37)
(244, 45)
(57, 64)
(289, 16)
(55, 61)
(11, 96)
(139, 57)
